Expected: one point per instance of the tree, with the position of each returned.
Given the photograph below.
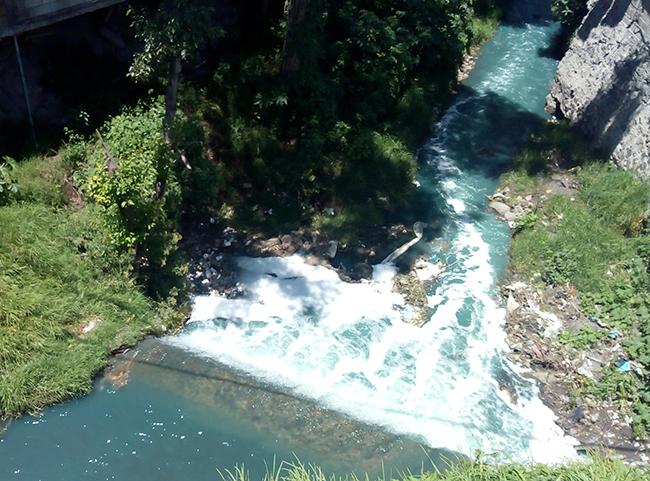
(171, 33)
(295, 15)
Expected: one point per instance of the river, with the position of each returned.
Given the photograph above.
(329, 372)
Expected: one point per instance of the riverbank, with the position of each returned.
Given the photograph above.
(576, 293)
(66, 301)
(599, 469)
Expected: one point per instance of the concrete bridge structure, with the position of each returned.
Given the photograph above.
(18, 16)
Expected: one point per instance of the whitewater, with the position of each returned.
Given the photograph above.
(351, 348)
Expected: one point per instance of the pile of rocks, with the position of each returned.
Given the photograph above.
(511, 207)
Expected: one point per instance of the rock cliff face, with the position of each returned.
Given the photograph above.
(603, 82)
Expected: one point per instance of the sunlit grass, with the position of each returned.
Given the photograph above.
(596, 469)
(55, 276)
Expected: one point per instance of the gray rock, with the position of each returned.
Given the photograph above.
(332, 249)
(361, 271)
(512, 305)
(499, 207)
(602, 82)
(286, 239)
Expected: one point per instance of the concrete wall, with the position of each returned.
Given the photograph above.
(17, 16)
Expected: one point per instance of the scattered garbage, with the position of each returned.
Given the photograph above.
(598, 322)
(623, 365)
(614, 334)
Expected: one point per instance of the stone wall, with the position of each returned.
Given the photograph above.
(603, 82)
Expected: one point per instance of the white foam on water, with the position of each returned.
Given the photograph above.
(350, 347)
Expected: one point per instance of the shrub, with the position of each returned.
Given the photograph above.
(131, 176)
(41, 180)
(8, 183)
(200, 185)
(569, 12)
(555, 144)
(376, 166)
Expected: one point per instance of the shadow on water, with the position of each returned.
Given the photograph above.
(161, 412)
(482, 137)
(297, 425)
(521, 13)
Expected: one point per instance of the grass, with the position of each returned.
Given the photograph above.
(485, 26)
(597, 242)
(56, 274)
(597, 469)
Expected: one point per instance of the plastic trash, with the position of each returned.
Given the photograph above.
(623, 365)
(598, 322)
(614, 334)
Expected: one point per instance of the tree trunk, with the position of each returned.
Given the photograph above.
(296, 11)
(170, 97)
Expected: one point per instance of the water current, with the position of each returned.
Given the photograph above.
(330, 372)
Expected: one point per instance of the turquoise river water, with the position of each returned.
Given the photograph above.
(332, 373)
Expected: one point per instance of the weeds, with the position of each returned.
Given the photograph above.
(55, 276)
(585, 338)
(596, 469)
(596, 242)
(8, 182)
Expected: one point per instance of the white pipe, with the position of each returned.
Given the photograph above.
(418, 230)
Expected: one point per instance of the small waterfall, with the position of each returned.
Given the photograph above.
(347, 345)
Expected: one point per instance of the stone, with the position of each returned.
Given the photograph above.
(332, 248)
(512, 305)
(89, 327)
(499, 207)
(602, 82)
(286, 239)
(361, 271)
(426, 271)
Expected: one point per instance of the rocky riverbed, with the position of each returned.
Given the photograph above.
(212, 250)
(536, 315)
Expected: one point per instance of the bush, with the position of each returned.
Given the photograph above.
(132, 177)
(41, 180)
(569, 12)
(202, 184)
(8, 183)
(554, 145)
(377, 167)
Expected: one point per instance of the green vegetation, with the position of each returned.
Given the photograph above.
(595, 241)
(291, 112)
(57, 276)
(569, 12)
(8, 184)
(324, 105)
(486, 18)
(596, 469)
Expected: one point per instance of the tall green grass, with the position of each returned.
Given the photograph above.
(55, 276)
(597, 469)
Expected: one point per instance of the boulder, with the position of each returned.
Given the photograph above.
(499, 207)
(602, 82)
